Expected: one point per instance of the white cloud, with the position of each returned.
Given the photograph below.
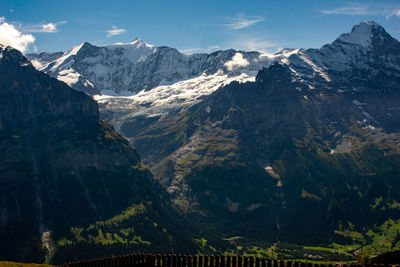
(255, 44)
(209, 49)
(191, 50)
(396, 13)
(50, 27)
(10, 36)
(115, 31)
(237, 61)
(356, 9)
(240, 21)
(348, 10)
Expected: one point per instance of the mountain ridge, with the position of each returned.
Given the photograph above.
(142, 61)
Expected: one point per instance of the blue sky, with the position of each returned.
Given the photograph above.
(190, 26)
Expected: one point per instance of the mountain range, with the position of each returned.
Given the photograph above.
(299, 147)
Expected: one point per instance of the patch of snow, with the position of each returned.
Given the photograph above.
(285, 53)
(69, 76)
(88, 84)
(316, 69)
(37, 64)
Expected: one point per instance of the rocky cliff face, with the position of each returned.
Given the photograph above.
(62, 167)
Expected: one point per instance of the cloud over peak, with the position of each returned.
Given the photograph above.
(11, 36)
(50, 27)
(115, 31)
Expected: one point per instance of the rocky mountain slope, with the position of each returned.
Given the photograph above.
(63, 169)
(309, 152)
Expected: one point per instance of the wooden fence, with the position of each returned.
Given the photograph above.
(149, 260)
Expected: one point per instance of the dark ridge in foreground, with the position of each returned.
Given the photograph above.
(62, 169)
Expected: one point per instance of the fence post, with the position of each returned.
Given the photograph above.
(240, 262)
(184, 260)
(158, 258)
(257, 262)
(251, 262)
(200, 262)
(222, 260)
(205, 261)
(194, 261)
(169, 260)
(245, 261)
(234, 258)
(263, 262)
(125, 260)
(190, 261)
(179, 261)
(119, 260)
(211, 261)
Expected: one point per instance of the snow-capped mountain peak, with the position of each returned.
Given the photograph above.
(361, 34)
(137, 43)
(356, 54)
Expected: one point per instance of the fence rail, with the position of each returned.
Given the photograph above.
(150, 260)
